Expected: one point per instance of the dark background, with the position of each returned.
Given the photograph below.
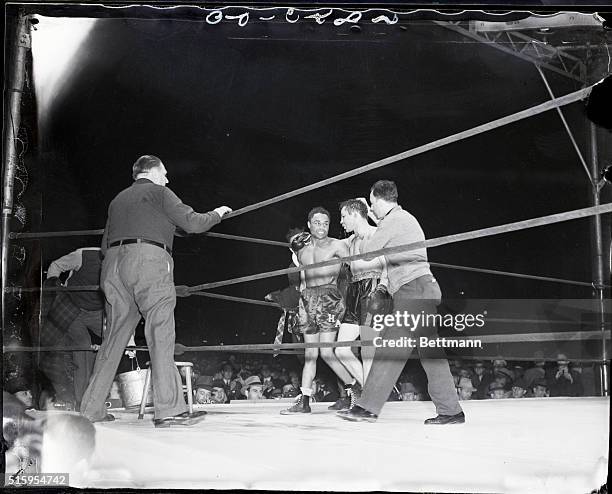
(238, 119)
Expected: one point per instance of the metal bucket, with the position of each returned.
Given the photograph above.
(131, 385)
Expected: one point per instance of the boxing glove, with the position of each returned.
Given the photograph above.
(379, 301)
(299, 241)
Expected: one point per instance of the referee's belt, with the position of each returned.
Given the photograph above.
(127, 241)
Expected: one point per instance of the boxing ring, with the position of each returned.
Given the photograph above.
(504, 446)
(527, 445)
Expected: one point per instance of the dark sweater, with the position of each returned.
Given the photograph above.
(153, 212)
(88, 274)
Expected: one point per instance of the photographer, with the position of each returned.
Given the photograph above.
(564, 381)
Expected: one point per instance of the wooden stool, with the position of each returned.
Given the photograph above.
(187, 387)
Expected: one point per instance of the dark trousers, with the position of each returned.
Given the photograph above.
(137, 279)
(418, 296)
(83, 362)
(57, 367)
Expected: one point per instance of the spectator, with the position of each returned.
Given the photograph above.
(21, 390)
(203, 390)
(565, 381)
(232, 385)
(504, 377)
(519, 388)
(409, 392)
(586, 376)
(537, 371)
(269, 383)
(19, 432)
(290, 391)
(218, 393)
(183, 373)
(481, 380)
(325, 392)
(496, 390)
(499, 363)
(233, 362)
(227, 373)
(295, 381)
(540, 388)
(465, 388)
(454, 364)
(283, 377)
(518, 371)
(253, 388)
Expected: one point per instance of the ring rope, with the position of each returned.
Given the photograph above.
(434, 242)
(511, 274)
(74, 233)
(493, 338)
(231, 298)
(181, 288)
(494, 124)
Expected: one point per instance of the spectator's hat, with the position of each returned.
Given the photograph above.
(500, 362)
(478, 363)
(562, 359)
(495, 385)
(250, 381)
(520, 383)
(540, 382)
(205, 382)
(218, 383)
(505, 372)
(407, 388)
(466, 383)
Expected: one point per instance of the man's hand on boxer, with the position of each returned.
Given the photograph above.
(222, 210)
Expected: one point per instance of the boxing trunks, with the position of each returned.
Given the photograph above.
(320, 309)
(363, 300)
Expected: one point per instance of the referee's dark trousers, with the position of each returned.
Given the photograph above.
(420, 296)
(137, 279)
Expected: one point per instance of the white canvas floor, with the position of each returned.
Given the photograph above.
(551, 445)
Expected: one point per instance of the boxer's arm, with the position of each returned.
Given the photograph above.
(342, 248)
(348, 240)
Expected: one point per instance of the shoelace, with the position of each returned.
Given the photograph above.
(298, 401)
(353, 400)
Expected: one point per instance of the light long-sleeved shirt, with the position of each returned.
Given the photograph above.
(152, 212)
(399, 227)
(84, 266)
